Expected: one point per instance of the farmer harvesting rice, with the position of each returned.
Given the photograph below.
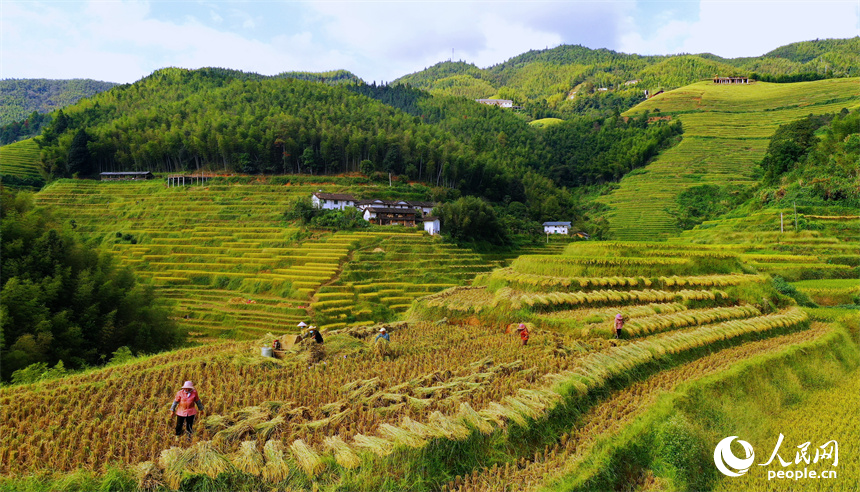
(619, 324)
(185, 405)
(383, 335)
(524, 333)
(315, 333)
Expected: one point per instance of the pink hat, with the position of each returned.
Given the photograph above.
(188, 385)
(619, 316)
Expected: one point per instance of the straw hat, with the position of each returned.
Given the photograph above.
(187, 385)
(382, 330)
(302, 324)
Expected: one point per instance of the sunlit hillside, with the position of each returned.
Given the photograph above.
(726, 132)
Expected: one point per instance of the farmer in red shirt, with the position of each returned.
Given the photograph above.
(524, 333)
(185, 405)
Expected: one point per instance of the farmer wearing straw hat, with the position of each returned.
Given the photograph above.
(524, 333)
(383, 335)
(619, 324)
(185, 405)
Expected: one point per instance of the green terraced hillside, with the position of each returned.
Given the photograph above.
(20, 159)
(726, 132)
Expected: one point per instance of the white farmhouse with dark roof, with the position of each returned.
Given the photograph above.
(332, 201)
(556, 227)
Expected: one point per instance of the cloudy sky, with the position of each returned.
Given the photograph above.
(123, 41)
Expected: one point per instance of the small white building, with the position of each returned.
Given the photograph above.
(431, 225)
(502, 103)
(556, 227)
(332, 201)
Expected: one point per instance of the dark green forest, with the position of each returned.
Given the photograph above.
(62, 300)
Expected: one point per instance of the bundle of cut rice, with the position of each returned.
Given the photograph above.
(448, 426)
(401, 436)
(174, 461)
(343, 454)
(277, 469)
(307, 458)
(205, 459)
(376, 445)
(248, 459)
(468, 415)
(149, 476)
(265, 430)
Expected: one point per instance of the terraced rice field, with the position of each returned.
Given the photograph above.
(234, 268)
(389, 272)
(20, 159)
(726, 132)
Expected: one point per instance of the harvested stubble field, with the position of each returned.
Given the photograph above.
(726, 132)
(437, 381)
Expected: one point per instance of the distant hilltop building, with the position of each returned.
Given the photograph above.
(556, 227)
(731, 80)
(502, 103)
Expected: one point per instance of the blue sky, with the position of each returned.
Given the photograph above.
(123, 41)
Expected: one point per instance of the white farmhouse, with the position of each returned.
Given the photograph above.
(556, 227)
(332, 201)
(431, 225)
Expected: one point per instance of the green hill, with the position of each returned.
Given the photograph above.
(726, 132)
(23, 96)
(568, 79)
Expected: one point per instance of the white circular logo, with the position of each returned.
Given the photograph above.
(723, 456)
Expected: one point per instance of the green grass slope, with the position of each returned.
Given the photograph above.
(726, 131)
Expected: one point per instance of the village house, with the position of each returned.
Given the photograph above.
(332, 201)
(382, 212)
(556, 227)
(502, 103)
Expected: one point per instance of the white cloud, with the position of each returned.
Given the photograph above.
(734, 29)
(122, 41)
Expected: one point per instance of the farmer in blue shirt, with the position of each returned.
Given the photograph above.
(382, 334)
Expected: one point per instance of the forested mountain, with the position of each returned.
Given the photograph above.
(179, 120)
(577, 80)
(21, 97)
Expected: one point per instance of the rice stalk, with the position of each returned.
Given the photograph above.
(248, 459)
(276, 469)
(376, 445)
(265, 430)
(343, 454)
(468, 415)
(401, 436)
(149, 476)
(421, 429)
(215, 423)
(448, 426)
(205, 459)
(307, 458)
(174, 461)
